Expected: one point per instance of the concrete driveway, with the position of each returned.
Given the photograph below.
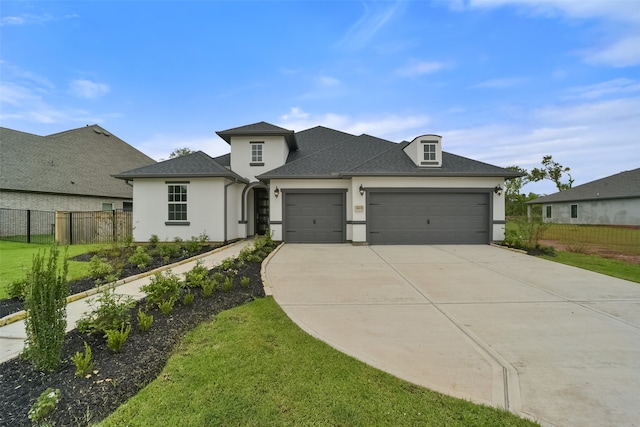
(550, 342)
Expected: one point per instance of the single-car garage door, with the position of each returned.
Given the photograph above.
(427, 218)
(314, 217)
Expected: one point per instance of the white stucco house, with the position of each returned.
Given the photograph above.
(613, 200)
(321, 185)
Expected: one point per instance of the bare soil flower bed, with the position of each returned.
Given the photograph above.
(117, 376)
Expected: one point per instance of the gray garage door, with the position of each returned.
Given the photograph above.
(428, 218)
(314, 218)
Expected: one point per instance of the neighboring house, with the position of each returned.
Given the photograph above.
(66, 171)
(321, 185)
(614, 200)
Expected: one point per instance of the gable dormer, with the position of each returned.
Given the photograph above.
(425, 151)
(258, 148)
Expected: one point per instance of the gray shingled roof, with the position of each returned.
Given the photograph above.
(260, 129)
(334, 160)
(369, 156)
(196, 164)
(624, 185)
(76, 162)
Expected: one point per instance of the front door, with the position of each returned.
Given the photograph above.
(261, 203)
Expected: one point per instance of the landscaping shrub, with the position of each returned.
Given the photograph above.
(117, 337)
(193, 245)
(110, 311)
(163, 287)
(188, 298)
(244, 282)
(45, 405)
(169, 250)
(99, 269)
(228, 284)
(166, 307)
(46, 305)
(227, 264)
(18, 288)
(195, 277)
(154, 240)
(144, 321)
(140, 258)
(526, 234)
(83, 362)
(208, 287)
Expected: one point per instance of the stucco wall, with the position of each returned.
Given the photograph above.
(356, 209)
(274, 154)
(613, 212)
(205, 209)
(55, 202)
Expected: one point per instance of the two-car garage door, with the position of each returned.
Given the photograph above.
(427, 218)
(410, 217)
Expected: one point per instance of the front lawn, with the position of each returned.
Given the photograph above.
(253, 366)
(17, 257)
(610, 267)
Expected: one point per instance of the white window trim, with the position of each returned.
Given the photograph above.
(184, 202)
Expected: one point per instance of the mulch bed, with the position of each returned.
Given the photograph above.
(13, 305)
(85, 401)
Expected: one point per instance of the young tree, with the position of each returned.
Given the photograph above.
(553, 171)
(180, 152)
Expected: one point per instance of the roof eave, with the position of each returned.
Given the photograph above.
(180, 175)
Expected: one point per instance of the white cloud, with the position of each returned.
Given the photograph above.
(620, 19)
(88, 89)
(394, 127)
(26, 19)
(419, 68)
(594, 139)
(612, 87)
(503, 83)
(326, 81)
(376, 15)
(621, 53)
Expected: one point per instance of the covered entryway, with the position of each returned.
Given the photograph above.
(314, 217)
(427, 218)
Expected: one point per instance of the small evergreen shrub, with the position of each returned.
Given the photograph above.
(228, 284)
(99, 269)
(218, 277)
(245, 254)
(140, 258)
(45, 405)
(195, 277)
(193, 245)
(169, 250)
(83, 362)
(228, 264)
(18, 288)
(188, 298)
(154, 240)
(163, 287)
(144, 321)
(46, 305)
(166, 307)
(110, 311)
(208, 287)
(117, 337)
(244, 282)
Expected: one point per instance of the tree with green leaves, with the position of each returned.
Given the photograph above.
(180, 152)
(552, 171)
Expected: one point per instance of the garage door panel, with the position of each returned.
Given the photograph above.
(314, 218)
(428, 218)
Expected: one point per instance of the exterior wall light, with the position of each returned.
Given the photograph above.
(498, 190)
(361, 189)
(276, 192)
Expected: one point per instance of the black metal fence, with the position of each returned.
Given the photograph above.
(67, 228)
(27, 226)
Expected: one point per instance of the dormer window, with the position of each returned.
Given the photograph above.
(256, 153)
(425, 151)
(429, 151)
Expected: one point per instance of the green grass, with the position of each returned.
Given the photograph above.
(618, 239)
(254, 366)
(610, 267)
(16, 260)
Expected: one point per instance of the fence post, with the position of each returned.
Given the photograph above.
(71, 228)
(28, 225)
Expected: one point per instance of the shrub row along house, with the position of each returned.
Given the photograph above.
(321, 185)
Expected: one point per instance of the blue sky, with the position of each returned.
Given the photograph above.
(503, 81)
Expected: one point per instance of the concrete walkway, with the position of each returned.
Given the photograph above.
(12, 335)
(550, 342)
